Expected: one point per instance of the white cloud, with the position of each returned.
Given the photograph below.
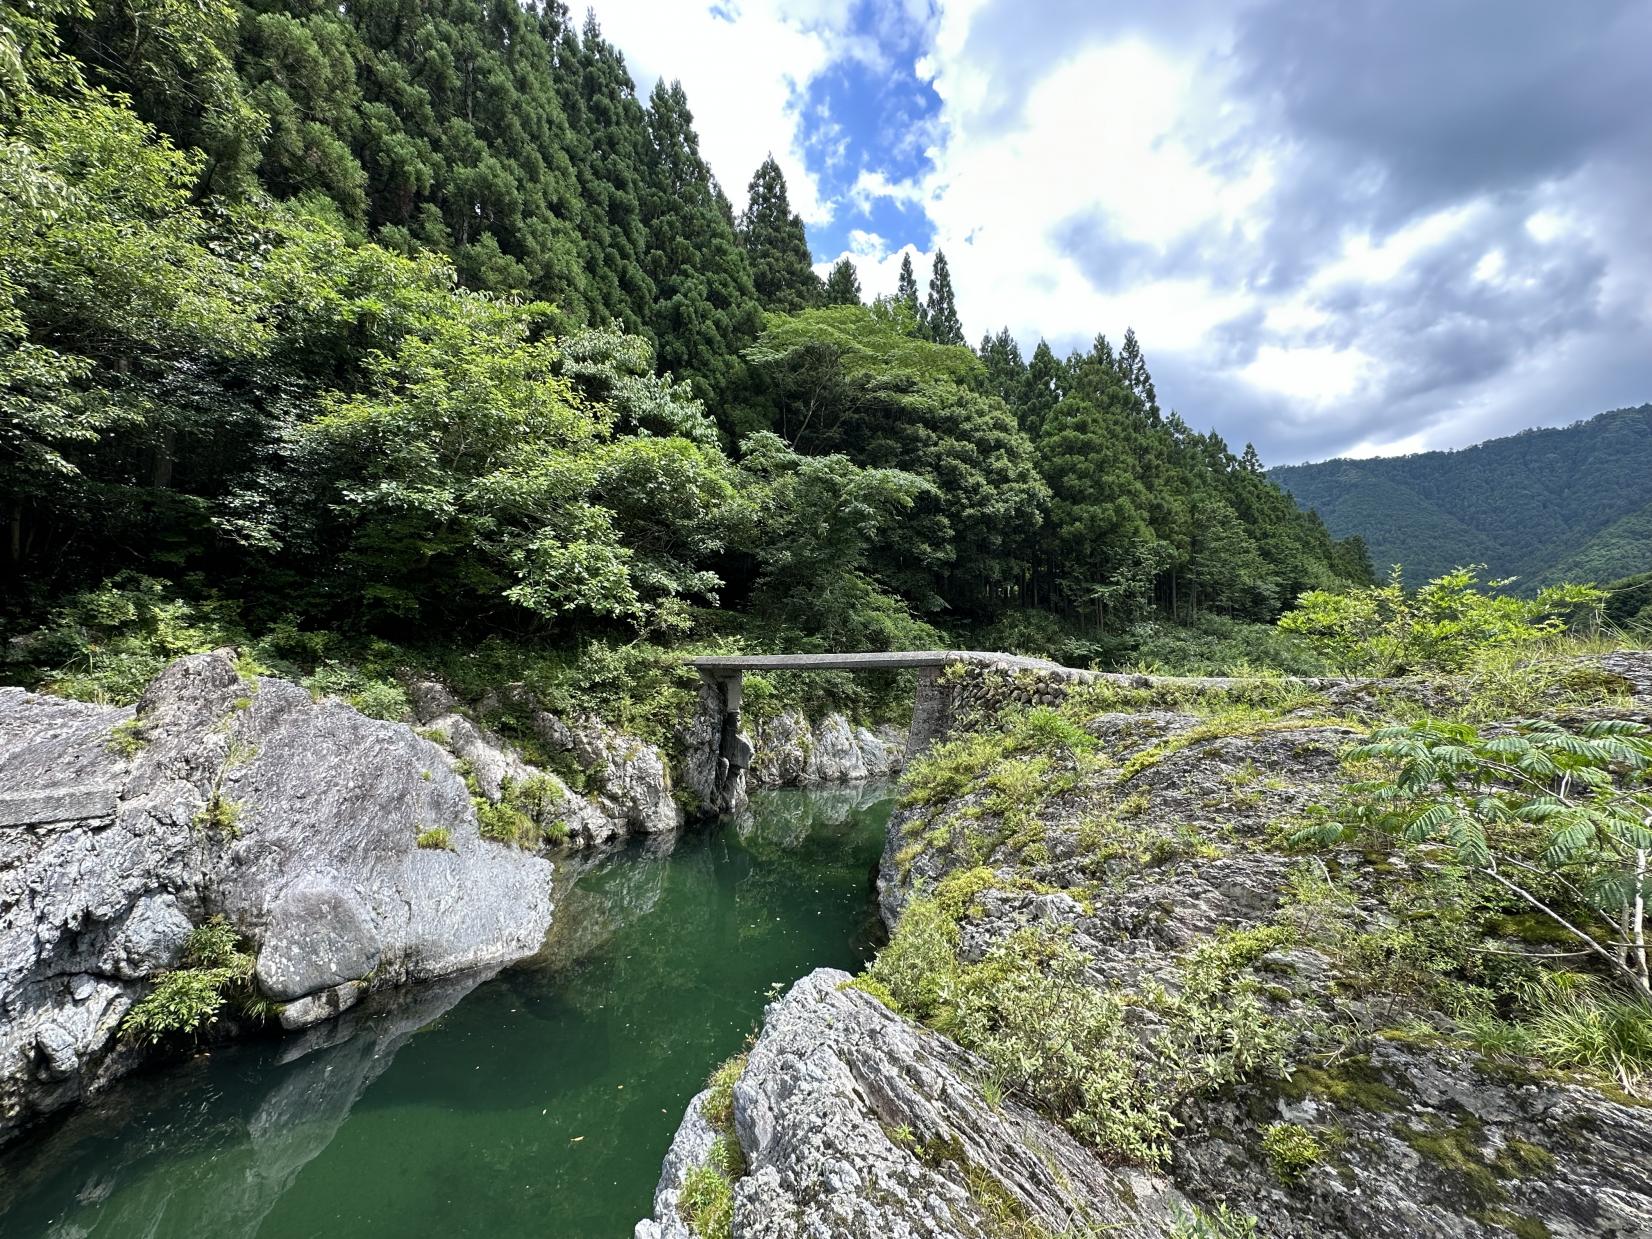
(745, 65)
(1310, 270)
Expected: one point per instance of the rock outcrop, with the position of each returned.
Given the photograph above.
(792, 752)
(297, 821)
(624, 784)
(855, 1122)
(1143, 840)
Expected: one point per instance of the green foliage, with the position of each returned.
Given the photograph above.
(317, 323)
(1292, 1150)
(105, 644)
(1196, 1223)
(940, 315)
(1046, 1030)
(1443, 626)
(706, 1202)
(843, 284)
(128, 737)
(435, 837)
(214, 970)
(1570, 1021)
(782, 272)
(705, 308)
(219, 816)
(1540, 802)
(376, 698)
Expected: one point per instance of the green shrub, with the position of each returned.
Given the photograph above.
(1529, 808)
(435, 837)
(1444, 626)
(215, 970)
(505, 823)
(1291, 1150)
(106, 644)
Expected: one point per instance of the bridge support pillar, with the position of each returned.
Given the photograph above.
(931, 710)
(717, 771)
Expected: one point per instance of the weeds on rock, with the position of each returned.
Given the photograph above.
(127, 738)
(216, 969)
(435, 837)
(1292, 1150)
(706, 1201)
(1196, 1223)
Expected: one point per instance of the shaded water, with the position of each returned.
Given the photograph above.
(538, 1102)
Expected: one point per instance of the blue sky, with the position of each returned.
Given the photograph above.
(1367, 227)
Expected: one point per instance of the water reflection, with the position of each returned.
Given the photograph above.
(538, 1102)
(233, 1131)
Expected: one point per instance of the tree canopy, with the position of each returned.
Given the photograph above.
(343, 319)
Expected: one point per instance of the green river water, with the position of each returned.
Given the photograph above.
(538, 1102)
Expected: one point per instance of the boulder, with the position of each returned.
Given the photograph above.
(240, 797)
(854, 1122)
(793, 752)
(1160, 867)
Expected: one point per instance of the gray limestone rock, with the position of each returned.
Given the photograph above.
(790, 751)
(854, 1122)
(295, 820)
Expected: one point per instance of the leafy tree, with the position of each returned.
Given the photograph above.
(121, 327)
(817, 521)
(467, 473)
(1538, 809)
(826, 363)
(616, 370)
(1444, 626)
(843, 284)
(781, 267)
(940, 309)
(852, 380)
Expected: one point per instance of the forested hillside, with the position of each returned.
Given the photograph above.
(414, 323)
(1569, 504)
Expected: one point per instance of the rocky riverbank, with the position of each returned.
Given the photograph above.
(343, 854)
(338, 853)
(1119, 1000)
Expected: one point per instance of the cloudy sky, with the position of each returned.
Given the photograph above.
(1362, 227)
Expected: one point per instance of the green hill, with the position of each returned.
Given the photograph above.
(1572, 503)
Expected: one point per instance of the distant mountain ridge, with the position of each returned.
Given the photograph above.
(1568, 503)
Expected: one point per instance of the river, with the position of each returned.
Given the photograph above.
(535, 1102)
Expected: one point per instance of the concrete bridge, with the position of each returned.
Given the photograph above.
(721, 779)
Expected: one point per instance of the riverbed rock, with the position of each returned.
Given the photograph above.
(234, 796)
(630, 778)
(854, 1122)
(792, 751)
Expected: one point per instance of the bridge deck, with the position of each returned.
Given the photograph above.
(884, 660)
